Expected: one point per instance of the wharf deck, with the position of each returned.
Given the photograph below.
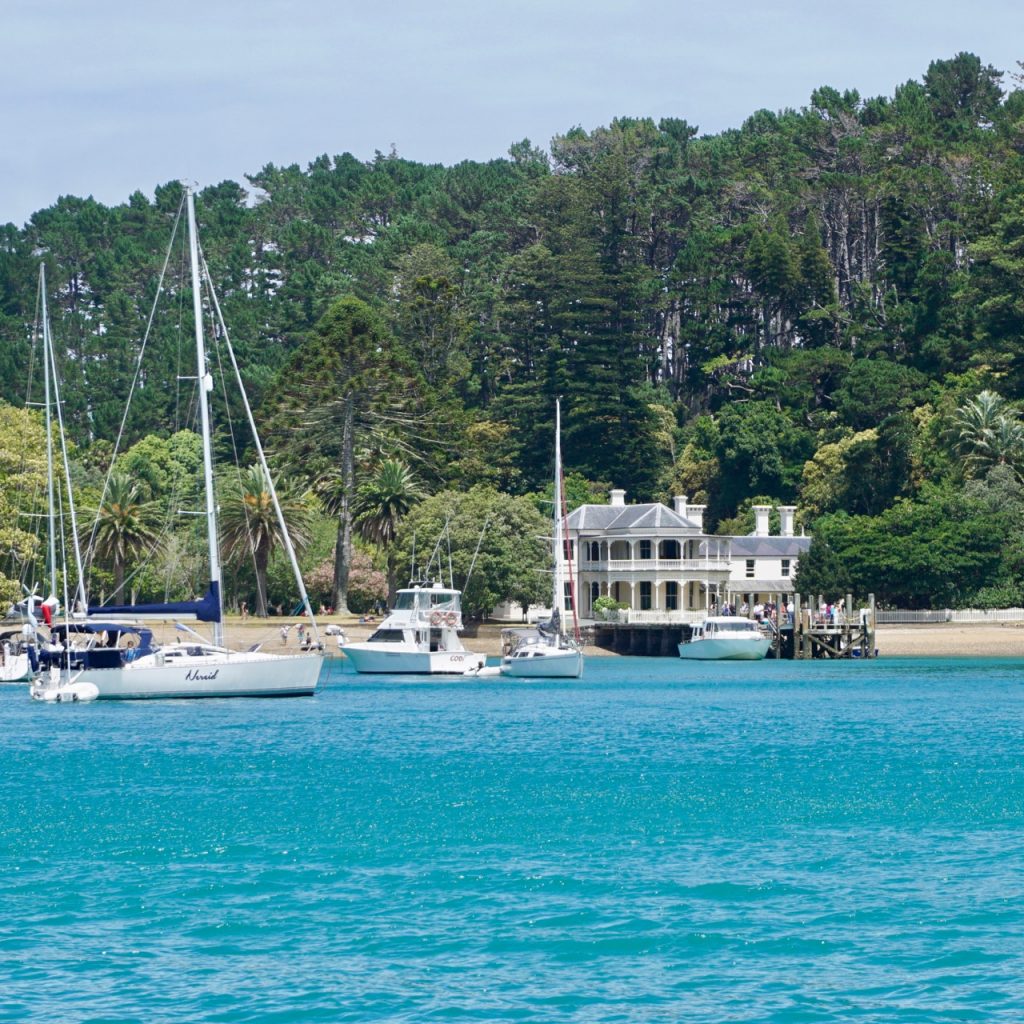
(802, 635)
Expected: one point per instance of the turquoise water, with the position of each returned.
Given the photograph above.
(661, 842)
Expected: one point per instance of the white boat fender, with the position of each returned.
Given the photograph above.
(73, 693)
(83, 691)
(483, 670)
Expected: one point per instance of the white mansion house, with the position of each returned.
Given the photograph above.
(660, 563)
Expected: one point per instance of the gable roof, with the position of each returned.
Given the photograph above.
(769, 547)
(652, 517)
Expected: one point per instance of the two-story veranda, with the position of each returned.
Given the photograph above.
(650, 557)
(660, 563)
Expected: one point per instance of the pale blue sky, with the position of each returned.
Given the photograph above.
(101, 97)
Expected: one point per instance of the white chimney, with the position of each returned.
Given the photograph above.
(695, 513)
(679, 504)
(761, 520)
(618, 497)
(786, 513)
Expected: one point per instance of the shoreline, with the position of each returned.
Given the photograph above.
(927, 640)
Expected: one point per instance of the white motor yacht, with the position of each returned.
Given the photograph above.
(419, 636)
(725, 638)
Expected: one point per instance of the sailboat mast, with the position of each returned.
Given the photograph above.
(205, 381)
(558, 601)
(48, 419)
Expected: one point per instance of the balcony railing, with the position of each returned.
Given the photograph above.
(654, 616)
(676, 565)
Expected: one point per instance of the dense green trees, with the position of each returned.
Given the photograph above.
(802, 308)
(126, 528)
(249, 526)
(382, 502)
(490, 544)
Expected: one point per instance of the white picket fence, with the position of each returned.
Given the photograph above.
(904, 616)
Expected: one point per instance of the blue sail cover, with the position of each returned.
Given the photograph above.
(205, 610)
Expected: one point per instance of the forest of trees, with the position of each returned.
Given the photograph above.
(822, 307)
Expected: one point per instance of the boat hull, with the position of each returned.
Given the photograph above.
(378, 659)
(16, 669)
(731, 649)
(547, 664)
(237, 675)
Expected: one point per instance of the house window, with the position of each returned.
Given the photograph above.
(671, 596)
(670, 549)
(750, 568)
(595, 593)
(566, 597)
(595, 551)
(645, 549)
(785, 567)
(645, 595)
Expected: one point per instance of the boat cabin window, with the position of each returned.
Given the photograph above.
(386, 636)
(738, 626)
(405, 600)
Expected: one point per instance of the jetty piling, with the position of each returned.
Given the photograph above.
(804, 633)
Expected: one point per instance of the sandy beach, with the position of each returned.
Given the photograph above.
(943, 640)
(952, 640)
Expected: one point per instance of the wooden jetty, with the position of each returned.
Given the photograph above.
(803, 633)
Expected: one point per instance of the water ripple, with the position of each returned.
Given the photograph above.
(662, 842)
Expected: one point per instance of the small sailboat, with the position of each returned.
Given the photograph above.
(22, 653)
(550, 652)
(110, 658)
(419, 636)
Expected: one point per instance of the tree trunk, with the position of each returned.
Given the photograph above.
(262, 558)
(392, 575)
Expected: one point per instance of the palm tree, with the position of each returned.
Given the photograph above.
(989, 434)
(249, 526)
(380, 505)
(126, 527)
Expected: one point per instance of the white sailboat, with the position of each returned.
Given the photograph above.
(20, 659)
(550, 653)
(107, 657)
(419, 636)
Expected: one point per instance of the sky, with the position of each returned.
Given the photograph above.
(106, 97)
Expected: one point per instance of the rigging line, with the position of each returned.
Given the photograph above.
(32, 345)
(181, 313)
(479, 541)
(59, 403)
(22, 468)
(292, 557)
(251, 546)
(90, 553)
(437, 547)
(451, 572)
